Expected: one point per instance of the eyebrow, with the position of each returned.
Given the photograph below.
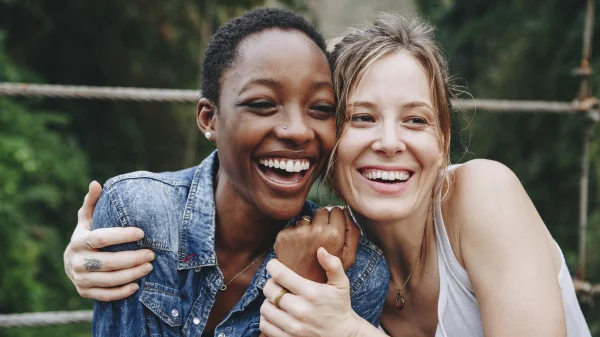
(409, 105)
(272, 83)
(267, 82)
(363, 104)
(417, 104)
(321, 85)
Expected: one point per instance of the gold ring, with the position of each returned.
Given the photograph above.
(279, 296)
(87, 242)
(305, 218)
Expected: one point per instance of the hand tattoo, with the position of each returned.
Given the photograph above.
(92, 264)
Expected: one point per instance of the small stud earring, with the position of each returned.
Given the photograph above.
(285, 127)
(209, 135)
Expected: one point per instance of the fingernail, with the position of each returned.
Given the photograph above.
(134, 288)
(139, 234)
(148, 268)
(150, 256)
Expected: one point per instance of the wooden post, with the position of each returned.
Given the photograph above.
(585, 72)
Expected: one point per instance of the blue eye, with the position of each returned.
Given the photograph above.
(362, 118)
(417, 120)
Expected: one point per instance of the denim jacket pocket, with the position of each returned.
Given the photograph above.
(164, 309)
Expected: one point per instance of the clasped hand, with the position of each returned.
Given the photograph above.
(312, 307)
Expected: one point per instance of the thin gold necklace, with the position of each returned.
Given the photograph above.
(400, 302)
(224, 286)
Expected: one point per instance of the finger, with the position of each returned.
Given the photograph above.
(106, 261)
(305, 220)
(321, 217)
(89, 203)
(103, 237)
(288, 279)
(351, 239)
(337, 219)
(333, 268)
(269, 329)
(288, 302)
(279, 318)
(110, 294)
(272, 289)
(112, 278)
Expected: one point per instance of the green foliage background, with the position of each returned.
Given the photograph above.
(51, 149)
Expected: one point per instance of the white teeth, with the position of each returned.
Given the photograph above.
(386, 175)
(286, 165)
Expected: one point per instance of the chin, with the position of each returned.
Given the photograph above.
(383, 211)
(283, 209)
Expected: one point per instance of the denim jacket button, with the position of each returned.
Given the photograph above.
(196, 321)
(174, 312)
(221, 335)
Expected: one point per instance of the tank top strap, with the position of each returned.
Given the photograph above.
(450, 262)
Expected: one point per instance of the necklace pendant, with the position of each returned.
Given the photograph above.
(223, 287)
(400, 303)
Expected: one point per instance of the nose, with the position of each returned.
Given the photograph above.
(389, 140)
(294, 127)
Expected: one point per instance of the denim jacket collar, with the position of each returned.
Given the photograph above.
(197, 235)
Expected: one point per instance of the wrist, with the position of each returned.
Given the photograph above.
(357, 326)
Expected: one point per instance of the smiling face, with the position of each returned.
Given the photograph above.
(388, 159)
(275, 126)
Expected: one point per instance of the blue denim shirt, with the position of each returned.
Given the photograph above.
(176, 210)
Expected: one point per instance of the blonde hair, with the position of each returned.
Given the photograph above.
(355, 54)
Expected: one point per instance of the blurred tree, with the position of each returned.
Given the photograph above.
(43, 172)
(527, 49)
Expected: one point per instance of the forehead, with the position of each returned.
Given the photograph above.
(281, 54)
(395, 78)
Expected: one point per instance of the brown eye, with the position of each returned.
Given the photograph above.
(260, 105)
(324, 108)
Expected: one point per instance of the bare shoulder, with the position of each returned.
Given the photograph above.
(479, 188)
(483, 176)
(484, 199)
(488, 204)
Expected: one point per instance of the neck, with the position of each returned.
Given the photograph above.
(241, 228)
(403, 242)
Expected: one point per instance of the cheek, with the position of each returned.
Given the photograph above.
(427, 149)
(347, 152)
(325, 132)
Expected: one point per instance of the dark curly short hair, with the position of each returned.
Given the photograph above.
(221, 51)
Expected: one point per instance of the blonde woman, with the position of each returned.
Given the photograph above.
(467, 251)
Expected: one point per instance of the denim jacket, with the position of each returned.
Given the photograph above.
(176, 210)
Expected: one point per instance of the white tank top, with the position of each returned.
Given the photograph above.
(458, 311)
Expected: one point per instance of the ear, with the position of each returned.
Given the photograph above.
(206, 114)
